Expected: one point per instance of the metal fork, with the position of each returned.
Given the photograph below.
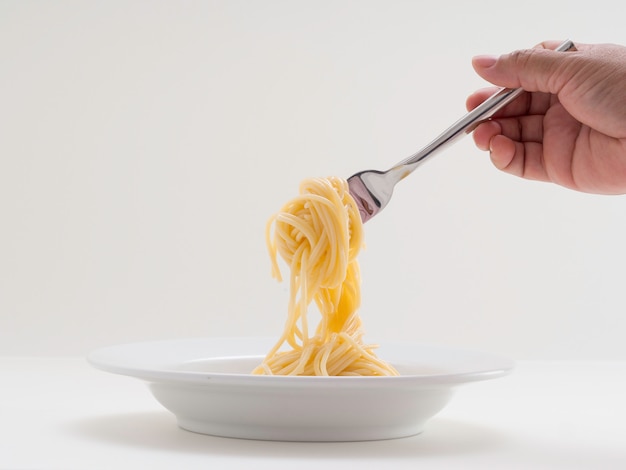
(372, 189)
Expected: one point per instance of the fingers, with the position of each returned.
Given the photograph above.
(515, 145)
(484, 133)
(538, 69)
(514, 137)
(502, 152)
(519, 158)
(523, 130)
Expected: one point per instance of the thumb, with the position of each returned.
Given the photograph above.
(539, 69)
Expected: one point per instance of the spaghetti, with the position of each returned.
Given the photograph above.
(319, 235)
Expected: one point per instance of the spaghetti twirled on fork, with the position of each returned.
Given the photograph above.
(319, 234)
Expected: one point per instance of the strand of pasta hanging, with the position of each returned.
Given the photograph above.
(319, 234)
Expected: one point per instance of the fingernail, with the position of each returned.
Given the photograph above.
(484, 61)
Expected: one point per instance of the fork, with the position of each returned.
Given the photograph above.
(372, 189)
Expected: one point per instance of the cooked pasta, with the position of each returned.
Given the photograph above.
(319, 235)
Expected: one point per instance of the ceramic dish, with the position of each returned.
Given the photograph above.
(207, 384)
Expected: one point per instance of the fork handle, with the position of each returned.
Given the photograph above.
(469, 122)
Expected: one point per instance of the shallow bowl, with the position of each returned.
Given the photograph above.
(207, 384)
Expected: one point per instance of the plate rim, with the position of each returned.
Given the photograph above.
(501, 366)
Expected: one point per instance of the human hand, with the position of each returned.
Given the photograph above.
(570, 126)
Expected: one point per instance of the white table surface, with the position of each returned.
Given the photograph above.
(59, 413)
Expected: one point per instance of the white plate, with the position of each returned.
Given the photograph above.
(206, 383)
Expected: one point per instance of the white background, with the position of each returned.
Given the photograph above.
(143, 146)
